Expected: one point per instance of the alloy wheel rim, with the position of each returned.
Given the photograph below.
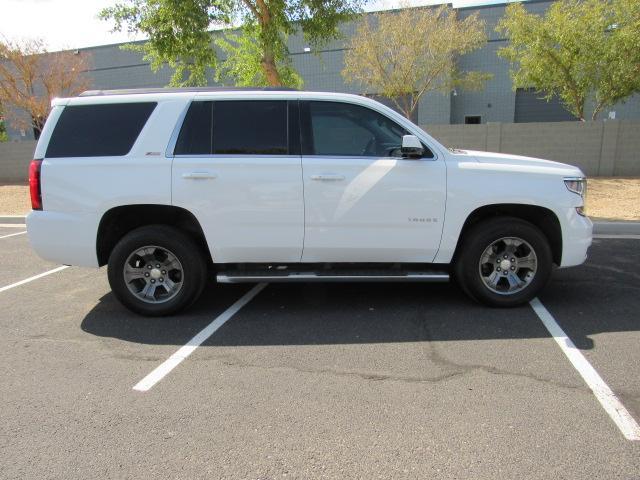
(153, 274)
(508, 265)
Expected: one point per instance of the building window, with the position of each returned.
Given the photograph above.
(472, 119)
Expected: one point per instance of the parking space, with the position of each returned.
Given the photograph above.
(7, 230)
(317, 380)
(17, 260)
(598, 305)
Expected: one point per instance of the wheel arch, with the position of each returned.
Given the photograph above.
(118, 221)
(543, 218)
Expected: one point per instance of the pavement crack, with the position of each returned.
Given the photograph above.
(432, 353)
(366, 376)
(461, 370)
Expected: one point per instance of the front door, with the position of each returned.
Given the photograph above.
(236, 171)
(363, 201)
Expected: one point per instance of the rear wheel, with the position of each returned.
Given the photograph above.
(504, 262)
(156, 270)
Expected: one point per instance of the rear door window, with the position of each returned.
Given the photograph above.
(243, 127)
(98, 130)
(196, 135)
(250, 128)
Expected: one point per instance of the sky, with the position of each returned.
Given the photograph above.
(70, 24)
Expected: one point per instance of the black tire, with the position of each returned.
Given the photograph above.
(188, 253)
(479, 238)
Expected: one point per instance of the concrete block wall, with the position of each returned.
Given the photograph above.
(610, 148)
(567, 142)
(471, 137)
(625, 152)
(14, 161)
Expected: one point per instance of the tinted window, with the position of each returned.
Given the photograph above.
(195, 135)
(98, 130)
(343, 129)
(250, 127)
(234, 128)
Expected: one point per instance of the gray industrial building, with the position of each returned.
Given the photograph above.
(114, 68)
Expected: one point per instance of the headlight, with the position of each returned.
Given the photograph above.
(576, 185)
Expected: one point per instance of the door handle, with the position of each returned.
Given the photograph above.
(197, 175)
(327, 177)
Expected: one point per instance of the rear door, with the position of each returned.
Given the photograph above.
(364, 202)
(237, 168)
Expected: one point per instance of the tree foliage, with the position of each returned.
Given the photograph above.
(30, 77)
(3, 130)
(579, 50)
(403, 55)
(244, 61)
(256, 53)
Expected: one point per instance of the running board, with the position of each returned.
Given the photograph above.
(315, 277)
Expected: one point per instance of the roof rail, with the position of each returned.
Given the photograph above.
(136, 91)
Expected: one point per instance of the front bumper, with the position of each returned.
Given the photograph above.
(577, 232)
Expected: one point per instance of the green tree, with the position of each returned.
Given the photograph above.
(403, 55)
(244, 61)
(4, 137)
(579, 50)
(3, 129)
(256, 52)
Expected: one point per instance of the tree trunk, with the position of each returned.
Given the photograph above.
(579, 107)
(406, 107)
(37, 124)
(596, 111)
(268, 61)
(269, 68)
(404, 104)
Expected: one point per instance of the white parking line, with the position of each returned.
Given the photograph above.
(31, 279)
(174, 360)
(611, 404)
(13, 225)
(12, 234)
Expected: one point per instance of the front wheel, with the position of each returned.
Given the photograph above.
(156, 270)
(504, 262)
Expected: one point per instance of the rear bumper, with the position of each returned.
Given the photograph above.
(67, 238)
(576, 238)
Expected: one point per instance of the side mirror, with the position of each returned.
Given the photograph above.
(411, 147)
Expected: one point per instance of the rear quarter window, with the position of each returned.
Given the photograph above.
(98, 130)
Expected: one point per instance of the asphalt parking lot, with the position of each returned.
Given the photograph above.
(317, 380)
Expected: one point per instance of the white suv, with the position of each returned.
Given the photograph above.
(170, 186)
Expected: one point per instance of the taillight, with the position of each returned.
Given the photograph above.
(34, 184)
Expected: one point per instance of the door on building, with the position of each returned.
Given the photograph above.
(531, 106)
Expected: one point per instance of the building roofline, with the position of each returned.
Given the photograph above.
(435, 5)
(503, 4)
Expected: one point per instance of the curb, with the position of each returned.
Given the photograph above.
(599, 228)
(616, 228)
(17, 219)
